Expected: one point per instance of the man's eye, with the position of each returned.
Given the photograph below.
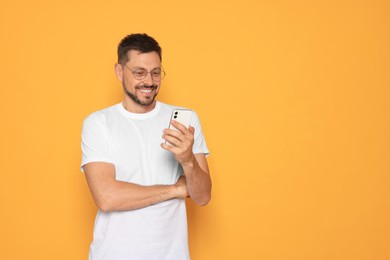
(156, 73)
(139, 73)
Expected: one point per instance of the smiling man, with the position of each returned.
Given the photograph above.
(139, 173)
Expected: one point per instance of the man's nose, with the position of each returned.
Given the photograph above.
(148, 79)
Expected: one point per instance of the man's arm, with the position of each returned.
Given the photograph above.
(195, 166)
(112, 195)
(198, 179)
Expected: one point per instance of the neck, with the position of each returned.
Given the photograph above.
(133, 107)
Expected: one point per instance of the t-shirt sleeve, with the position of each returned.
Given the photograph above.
(94, 141)
(199, 142)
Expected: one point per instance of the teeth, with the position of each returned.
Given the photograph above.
(146, 90)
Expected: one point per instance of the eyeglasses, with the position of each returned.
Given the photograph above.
(139, 74)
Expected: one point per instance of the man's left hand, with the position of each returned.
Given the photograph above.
(180, 142)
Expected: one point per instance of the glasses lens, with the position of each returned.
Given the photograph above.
(157, 74)
(140, 74)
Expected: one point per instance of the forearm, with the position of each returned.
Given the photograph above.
(198, 182)
(194, 165)
(128, 196)
(110, 194)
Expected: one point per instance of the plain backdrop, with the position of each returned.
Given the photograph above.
(293, 98)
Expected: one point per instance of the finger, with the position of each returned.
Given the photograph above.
(172, 140)
(185, 139)
(180, 127)
(173, 133)
(170, 148)
(167, 147)
(192, 130)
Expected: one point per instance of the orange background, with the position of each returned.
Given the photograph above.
(293, 98)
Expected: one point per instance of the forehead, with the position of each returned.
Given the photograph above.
(148, 59)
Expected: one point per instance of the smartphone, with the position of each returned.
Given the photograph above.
(183, 116)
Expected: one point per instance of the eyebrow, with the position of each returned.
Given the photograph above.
(138, 67)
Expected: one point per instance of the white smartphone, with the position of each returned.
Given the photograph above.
(183, 116)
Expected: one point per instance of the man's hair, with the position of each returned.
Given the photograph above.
(139, 42)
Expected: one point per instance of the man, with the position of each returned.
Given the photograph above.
(139, 172)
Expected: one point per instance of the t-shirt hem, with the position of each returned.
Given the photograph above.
(206, 153)
(96, 159)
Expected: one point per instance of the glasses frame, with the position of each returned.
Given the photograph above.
(162, 76)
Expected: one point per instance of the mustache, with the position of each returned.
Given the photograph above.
(152, 87)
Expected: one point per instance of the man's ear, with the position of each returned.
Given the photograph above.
(118, 71)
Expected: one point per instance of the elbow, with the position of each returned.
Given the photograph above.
(104, 207)
(204, 201)
(104, 204)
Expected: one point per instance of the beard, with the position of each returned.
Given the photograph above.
(138, 101)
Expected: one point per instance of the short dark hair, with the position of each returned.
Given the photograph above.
(139, 42)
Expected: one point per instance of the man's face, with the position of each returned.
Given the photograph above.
(140, 92)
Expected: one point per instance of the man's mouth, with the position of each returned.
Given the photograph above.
(147, 89)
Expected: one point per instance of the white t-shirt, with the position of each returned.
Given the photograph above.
(132, 143)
